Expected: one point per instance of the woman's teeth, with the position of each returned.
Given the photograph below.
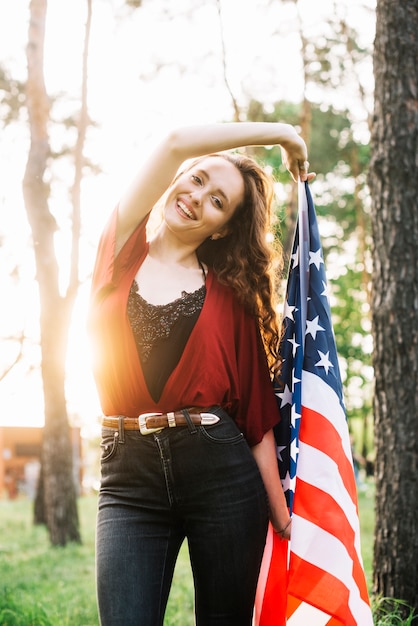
(185, 210)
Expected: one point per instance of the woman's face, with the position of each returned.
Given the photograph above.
(203, 199)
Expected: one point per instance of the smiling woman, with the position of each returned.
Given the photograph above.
(185, 341)
(199, 197)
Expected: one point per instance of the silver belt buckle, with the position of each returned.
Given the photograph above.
(143, 424)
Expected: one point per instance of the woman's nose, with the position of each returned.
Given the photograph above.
(196, 197)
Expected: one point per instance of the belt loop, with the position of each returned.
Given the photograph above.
(121, 429)
(191, 426)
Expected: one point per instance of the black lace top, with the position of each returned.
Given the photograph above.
(161, 333)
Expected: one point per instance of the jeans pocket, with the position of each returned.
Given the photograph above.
(108, 444)
(225, 432)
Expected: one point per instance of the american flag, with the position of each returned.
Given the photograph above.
(316, 579)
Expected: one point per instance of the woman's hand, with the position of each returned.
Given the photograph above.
(266, 459)
(295, 156)
(285, 532)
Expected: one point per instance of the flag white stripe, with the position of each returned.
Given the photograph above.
(318, 469)
(309, 543)
(307, 614)
(321, 398)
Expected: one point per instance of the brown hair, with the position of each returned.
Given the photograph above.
(243, 259)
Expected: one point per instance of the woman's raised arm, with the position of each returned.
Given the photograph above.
(194, 141)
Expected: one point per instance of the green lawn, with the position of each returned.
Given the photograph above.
(366, 513)
(44, 586)
(40, 585)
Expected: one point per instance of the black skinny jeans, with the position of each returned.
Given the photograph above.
(194, 482)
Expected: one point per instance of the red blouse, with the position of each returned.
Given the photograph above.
(223, 362)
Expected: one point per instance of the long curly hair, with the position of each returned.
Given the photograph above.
(244, 259)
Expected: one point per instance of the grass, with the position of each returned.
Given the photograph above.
(390, 612)
(45, 586)
(40, 585)
(366, 514)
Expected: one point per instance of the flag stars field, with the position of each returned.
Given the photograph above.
(325, 292)
(285, 396)
(315, 258)
(295, 345)
(313, 327)
(288, 311)
(324, 361)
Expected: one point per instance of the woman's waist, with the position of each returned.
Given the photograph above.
(152, 421)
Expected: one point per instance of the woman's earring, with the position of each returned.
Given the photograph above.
(215, 236)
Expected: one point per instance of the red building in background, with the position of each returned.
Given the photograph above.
(20, 457)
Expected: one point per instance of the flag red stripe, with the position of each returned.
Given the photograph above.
(319, 433)
(273, 610)
(320, 589)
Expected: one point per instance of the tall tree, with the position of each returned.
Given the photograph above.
(394, 188)
(58, 491)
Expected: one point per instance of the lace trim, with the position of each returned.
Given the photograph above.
(151, 322)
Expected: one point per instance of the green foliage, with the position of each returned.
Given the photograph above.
(392, 612)
(331, 61)
(180, 608)
(21, 613)
(366, 496)
(41, 585)
(12, 97)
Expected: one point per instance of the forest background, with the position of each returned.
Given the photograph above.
(87, 87)
(156, 66)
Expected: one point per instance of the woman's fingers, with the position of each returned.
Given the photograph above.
(303, 170)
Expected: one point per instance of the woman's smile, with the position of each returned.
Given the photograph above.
(185, 210)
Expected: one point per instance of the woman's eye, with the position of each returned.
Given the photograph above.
(196, 179)
(217, 201)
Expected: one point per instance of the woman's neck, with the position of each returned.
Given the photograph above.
(168, 251)
(168, 271)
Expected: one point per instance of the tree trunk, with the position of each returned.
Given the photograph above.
(57, 471)
(394, 188)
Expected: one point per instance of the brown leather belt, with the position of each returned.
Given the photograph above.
(148, 423)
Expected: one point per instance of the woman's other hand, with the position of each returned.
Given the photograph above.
(295, 156)
(285, 532)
